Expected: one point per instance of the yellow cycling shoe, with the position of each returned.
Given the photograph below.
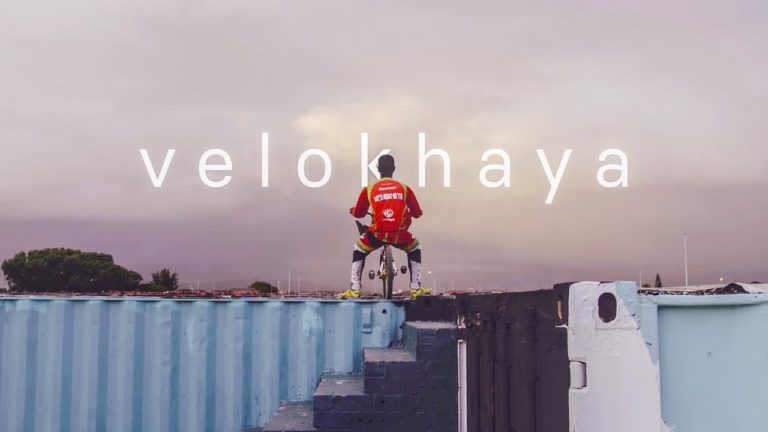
(416, 292)
(350, 294)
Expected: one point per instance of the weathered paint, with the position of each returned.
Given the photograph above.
(713, 353)
(622, 390)
(96, 364)
(699, 362)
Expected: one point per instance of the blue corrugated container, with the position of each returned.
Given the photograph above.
(99, 364)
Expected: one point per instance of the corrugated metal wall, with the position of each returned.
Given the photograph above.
(173, 365)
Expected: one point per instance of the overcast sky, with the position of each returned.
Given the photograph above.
(679, 86)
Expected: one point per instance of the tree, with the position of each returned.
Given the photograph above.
(165, 279)
(658, 281)
(264, 287)
(151, 287)
(67, 270)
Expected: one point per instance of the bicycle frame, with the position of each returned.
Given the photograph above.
(387, 270)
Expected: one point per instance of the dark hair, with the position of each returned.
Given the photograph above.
(386, 164)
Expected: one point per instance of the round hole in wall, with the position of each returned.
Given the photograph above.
(384, 311)
(606, 307)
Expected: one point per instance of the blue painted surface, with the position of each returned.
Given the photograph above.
(98, 364)
(713, 356)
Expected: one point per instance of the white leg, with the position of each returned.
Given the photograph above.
(415, 274)
(357, 273)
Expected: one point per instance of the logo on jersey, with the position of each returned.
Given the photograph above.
(389, 196)
(388, 213)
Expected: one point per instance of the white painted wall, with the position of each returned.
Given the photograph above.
(622, 391)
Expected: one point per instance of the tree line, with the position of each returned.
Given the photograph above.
(74, 271)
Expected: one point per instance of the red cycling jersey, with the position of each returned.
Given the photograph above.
(392, 204)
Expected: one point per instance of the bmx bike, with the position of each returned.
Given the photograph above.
(387, 269)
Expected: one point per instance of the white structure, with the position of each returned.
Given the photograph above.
(615, 383)
(671, 361)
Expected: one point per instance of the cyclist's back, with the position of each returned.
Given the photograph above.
(392, 204)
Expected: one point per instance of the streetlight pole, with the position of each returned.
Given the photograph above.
(685, 257)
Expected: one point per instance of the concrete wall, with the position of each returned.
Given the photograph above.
(174, 365)
(615, 383)
(667, 362)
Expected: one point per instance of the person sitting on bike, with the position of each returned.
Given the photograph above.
(392, 205)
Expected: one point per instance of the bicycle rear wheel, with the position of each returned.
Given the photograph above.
(390, 279)
(384, 285)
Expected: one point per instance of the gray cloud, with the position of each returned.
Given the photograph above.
(680, 87)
